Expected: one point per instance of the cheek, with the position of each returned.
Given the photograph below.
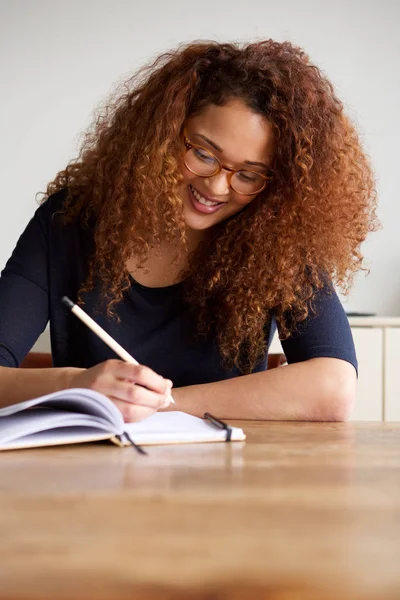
(189, 177)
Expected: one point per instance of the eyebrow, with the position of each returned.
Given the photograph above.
(214, 145)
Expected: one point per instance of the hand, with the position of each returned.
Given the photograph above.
(117, 380)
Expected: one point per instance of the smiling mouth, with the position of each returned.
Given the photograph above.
(201, 207)
(203, 200)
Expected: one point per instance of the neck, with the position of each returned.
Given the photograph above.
(193, 236)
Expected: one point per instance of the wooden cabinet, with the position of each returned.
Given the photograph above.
(377, 341)
(369, 348)
(391, 382)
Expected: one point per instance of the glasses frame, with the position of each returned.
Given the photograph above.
(189, 145)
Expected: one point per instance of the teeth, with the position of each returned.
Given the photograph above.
(201, 199)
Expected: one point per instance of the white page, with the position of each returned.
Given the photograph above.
(57, 437)
(175, 427)
(35, 420)
(74, 400)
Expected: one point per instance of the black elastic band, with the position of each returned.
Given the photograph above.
(138, 448)
(220, 425)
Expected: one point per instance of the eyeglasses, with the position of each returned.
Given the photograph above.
(203, 163)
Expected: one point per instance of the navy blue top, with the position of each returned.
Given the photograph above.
(50, 261)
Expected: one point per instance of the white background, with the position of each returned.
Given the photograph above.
(60, 60)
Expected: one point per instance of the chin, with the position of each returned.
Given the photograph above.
(198, 224)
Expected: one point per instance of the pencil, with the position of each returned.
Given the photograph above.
(99, 331)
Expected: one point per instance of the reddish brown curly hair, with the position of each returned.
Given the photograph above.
(269, 258)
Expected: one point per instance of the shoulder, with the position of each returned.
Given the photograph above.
(48, 208)
(53, 209)
(49, 224)
(53, 204)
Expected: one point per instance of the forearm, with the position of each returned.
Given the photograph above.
(17, 385)
(320, 389)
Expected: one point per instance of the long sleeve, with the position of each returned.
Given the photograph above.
(24, 303)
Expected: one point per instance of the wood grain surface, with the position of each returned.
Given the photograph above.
(298, 511)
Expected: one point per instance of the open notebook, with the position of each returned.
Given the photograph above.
(82, 415)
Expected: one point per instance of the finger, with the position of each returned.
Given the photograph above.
(139, 374)
(134, 394)
(133, 412)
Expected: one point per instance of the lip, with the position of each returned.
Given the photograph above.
(201, 207)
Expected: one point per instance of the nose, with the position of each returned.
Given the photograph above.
(219, 184)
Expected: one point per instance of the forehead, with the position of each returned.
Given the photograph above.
(241, 133)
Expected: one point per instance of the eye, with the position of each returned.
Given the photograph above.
(203, 155)
(247, 176)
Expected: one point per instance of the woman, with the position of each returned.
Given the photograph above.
(222, 195)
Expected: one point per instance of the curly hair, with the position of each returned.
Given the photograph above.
(305, 228)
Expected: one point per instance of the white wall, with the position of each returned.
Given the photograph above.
(60, 61)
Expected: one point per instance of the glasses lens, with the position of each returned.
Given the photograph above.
(200, 162)
(247, 182)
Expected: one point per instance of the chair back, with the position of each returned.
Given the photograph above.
(42, 360)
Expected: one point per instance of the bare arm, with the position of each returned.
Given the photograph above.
(319, 389)
(113, 378)
(17, 385)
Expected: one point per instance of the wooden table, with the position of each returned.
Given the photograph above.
(299, 510)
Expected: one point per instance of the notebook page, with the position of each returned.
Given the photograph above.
(36, 420)
(75, 400)
(57, 437)
(177, 427)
